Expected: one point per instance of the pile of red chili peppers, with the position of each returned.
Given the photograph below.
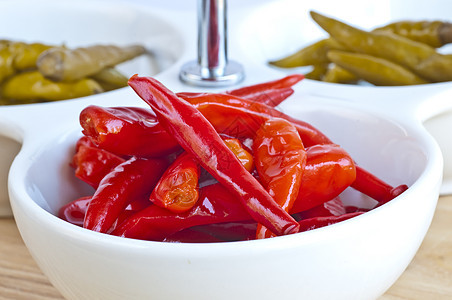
(211, 167)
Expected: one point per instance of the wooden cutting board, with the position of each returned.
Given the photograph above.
(429, 276)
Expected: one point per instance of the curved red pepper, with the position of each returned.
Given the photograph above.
(129, 131)
(334, 207)
(318, 222)
(74, 212)
(271, 97)
(260, 88)
(197, 136)
(245, 158)
(217, 232)
(331, 169)
(128, 181)
(177, 189)
(215, 205)
(92, 163)
(376, 188)
(280, 159)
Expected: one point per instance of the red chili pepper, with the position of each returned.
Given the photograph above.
(376, 188)
(84, 141)
(280, 160)
(92, 163)
(257, 89)
(217, 205)
(191, 235)
(197, 136)
(271, 98)
(177, 189)
(243, 155)
(129, 131)
(128, 181)
(219, 232)
(74, 212)
(318, 222)
(331, 169)
(241, 122)
(333, 207)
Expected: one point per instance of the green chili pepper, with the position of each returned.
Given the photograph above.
(400, 50)
(32, 86)
(373, 69)
(432, 33)
(314, 54)
(336, 74)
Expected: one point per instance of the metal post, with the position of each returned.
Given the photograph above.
(212, 67)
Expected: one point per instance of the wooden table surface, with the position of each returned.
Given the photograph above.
(429, 276)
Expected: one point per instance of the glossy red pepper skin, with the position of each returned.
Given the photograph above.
(126, 131)
(280, 159)
(333, 207)
(270, 97)
(84, 141)
(217, 205)
(243, 122)
(376, 188)
(318, 222)
(177, 189)
(128, 181)
(198, 137)
(74, 212)
(257, 89)
(245, 157)
(92, 164)
(331, 169)
(191, 235)
(217, 232)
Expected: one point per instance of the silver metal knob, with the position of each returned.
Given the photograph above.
(212, 69)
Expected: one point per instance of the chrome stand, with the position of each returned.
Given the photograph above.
(212, 69)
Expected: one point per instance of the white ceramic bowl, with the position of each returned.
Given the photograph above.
(365, 254)
(77, 24)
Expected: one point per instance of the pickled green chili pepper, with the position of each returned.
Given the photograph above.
(398, 49)
(6, 63)
(318, 72)
(26, 54)
(31, 86)
(336, 74)
(314, 54)
(375, 70)
(432, 33)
